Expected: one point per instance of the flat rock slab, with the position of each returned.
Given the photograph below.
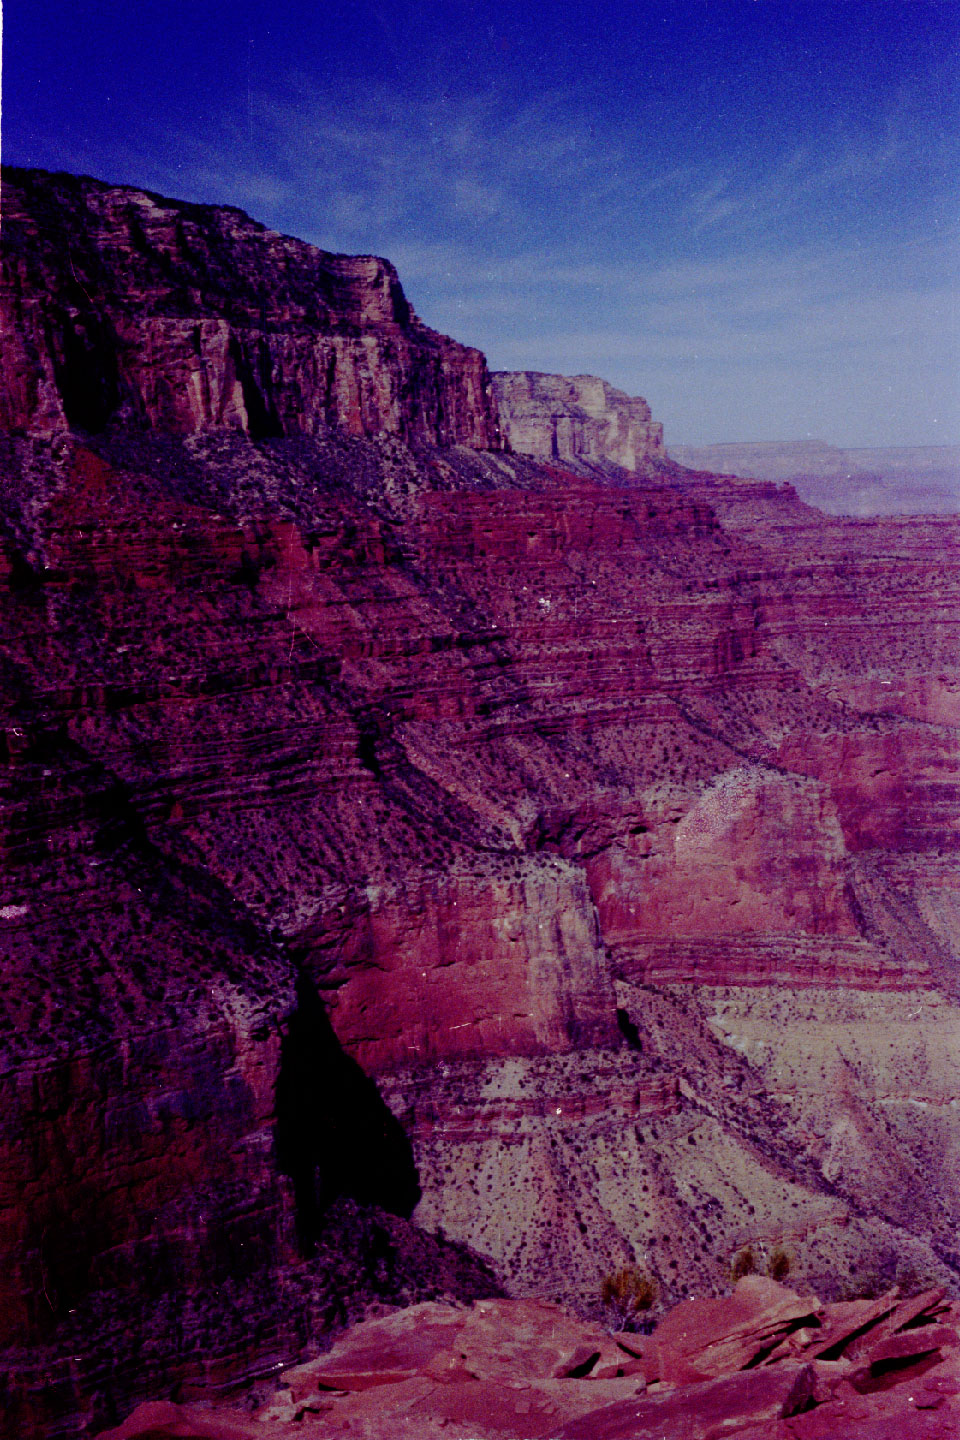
(381, 1352)
(703, 1339)
(471, 1409)
(846, 1320)
(532, 1338)
(163, 1420)
(849, 1422)
(694, 1412)
(921, 1341)
(501, 1370)
(496, 1338)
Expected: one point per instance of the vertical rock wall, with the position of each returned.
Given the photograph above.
(116, 305)
(578, 418)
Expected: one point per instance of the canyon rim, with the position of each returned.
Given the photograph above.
(451, 850)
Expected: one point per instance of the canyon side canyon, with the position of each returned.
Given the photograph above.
(451, 850)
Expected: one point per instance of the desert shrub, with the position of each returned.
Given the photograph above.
(779, 1263)
(743, 1263)
(863, 1285)
(627, 1293)
(874, 1275)
(911, 1278)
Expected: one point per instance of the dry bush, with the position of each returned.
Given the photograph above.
(779, 1263)
(743, 1263)
(627, 1293)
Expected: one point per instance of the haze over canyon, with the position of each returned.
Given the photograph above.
(453, 851)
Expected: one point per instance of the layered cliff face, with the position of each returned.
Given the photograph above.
(577, 419)
(566, 863)
(123, 306)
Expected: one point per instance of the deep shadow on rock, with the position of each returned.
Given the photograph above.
(334, 1134)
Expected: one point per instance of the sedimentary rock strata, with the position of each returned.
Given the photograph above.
(396, 828)
(120, 305)
(576, 419)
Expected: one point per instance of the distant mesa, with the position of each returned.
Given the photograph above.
(884, 480)
(576, 418)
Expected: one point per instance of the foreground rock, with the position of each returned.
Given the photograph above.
(764, 1363)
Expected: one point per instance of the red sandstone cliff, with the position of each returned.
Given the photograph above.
(381, 824)
(118, 305)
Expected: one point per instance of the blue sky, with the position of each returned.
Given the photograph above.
(745, 210)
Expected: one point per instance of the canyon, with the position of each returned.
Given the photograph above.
(885, 480)
(451, 849)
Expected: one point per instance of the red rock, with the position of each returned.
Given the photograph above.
(694, 1411)
(704, 1338)
(484, 1373)
(473, 748)
(479, 1409)
(766, 1430)
(382, 1352)
(182, 1422)
(457, 970)
(493, 1339)
(845, 1320)
(916, 1310)
(910, 1342)
(873, 1422)
(192, 318)
(528, 1338)
(944, 1380)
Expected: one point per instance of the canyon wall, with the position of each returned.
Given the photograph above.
(576, 419)
(407, 846)
(121, 305)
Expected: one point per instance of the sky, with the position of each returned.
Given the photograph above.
(744, 210)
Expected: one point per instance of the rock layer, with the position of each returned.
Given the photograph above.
(439, 831)
(122, 305)
(577, 418)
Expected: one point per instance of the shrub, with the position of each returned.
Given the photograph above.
(779, 1263)
(865, 1285)
(743, 1263)
(627, 1293)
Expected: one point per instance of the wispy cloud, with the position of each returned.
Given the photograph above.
(519, 226)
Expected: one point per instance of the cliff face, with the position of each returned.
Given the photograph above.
(568, 865)
(577, 418)
(123, 306)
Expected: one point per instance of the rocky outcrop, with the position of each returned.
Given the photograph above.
(459, 966)
(576, 419)
(764, 1362)
(411, 840)
(122, 306)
